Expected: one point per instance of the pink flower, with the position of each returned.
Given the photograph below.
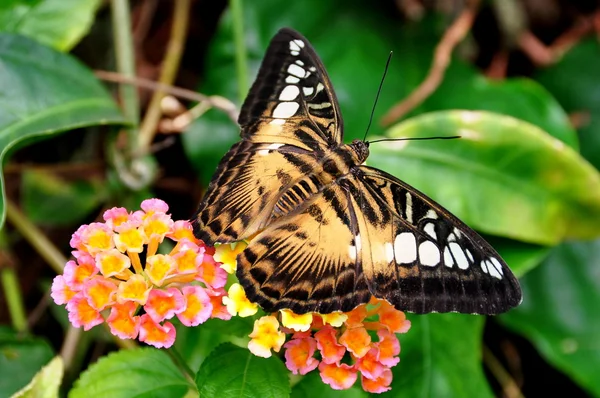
(339, 377)
(299, 355)
(160, 336)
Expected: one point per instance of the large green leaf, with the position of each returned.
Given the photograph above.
(20, 359)
(142, 372)
(441, 357)
(45, 92)
(46, 382)
(503, 176)
(57, 23)
(559, 313)
(232, 371)
(574, 82)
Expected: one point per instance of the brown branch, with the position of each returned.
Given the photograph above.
(214, 101)
(441, 59)
(543, 55)
(509, 386)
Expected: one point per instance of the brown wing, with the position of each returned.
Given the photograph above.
(420, 257)
(307, 261)
(289, 117)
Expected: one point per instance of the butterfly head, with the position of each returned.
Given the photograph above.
(361, 149)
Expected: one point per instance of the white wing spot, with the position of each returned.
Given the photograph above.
(308, 91)
(322, 105)
(389, 252)
(292, 79)
(431, 214)
(320, 87)
(277, 121)
(493, 270)
(497, 265)
(429, 254)
(352, 252)
(312, 69)
(448, 260)
(457, 233)
(405, 248)
(451, 238)
(285, 109)
(409, 210)
(484, 267)
(358, 242)
(263, 152)
(275, 146)
(299, 62)
(469, 255)
(296, 70)
(289, 93)
(295, 46)
(459, 255)
(298, 42)
(430, 230)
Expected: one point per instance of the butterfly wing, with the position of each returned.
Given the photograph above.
(288, 118)
(307, 261)
(420, 257)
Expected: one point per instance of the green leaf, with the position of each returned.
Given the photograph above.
(56, 23)
(521, 98)
(196, 344)
(503, 176)
(45, 93)
(559, 313)
(20, 360)
(441, 357)
(46, 382)
(574, 82)
(232, 371)
(50, 200)
(142, 372)
(311, 386)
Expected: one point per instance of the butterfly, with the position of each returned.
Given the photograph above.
(325, 231)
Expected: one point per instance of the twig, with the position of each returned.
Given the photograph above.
(121, 21)
(168, 71)
(543, 55)
(35, 237)
(214, 101)
(509, 386)
(455, 33)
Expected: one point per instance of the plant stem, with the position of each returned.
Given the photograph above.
(241, 62)
(123, 41)
(36, 238)
(168, 72)
(180, 362)
(13, 296)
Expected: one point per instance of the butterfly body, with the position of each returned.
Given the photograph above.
(327, 232)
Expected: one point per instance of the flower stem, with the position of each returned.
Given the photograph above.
(36, 238)
(121, 21)
(12, 295)
(241, 62)
(180, 362)
(168, 72)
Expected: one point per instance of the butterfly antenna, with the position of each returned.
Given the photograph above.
(387, 65)
(416, 138)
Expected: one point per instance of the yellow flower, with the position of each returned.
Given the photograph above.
(266, 336)
(237, 302)
(227, 255)
(299, 323)
(335, 319)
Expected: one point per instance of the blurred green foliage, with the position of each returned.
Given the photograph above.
(517, 174)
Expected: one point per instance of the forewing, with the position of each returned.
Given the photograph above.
(307, 260)
(420, 257)
(292, 97)
(288, 119)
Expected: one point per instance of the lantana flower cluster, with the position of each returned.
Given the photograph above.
(118, 276)
(340, 345)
